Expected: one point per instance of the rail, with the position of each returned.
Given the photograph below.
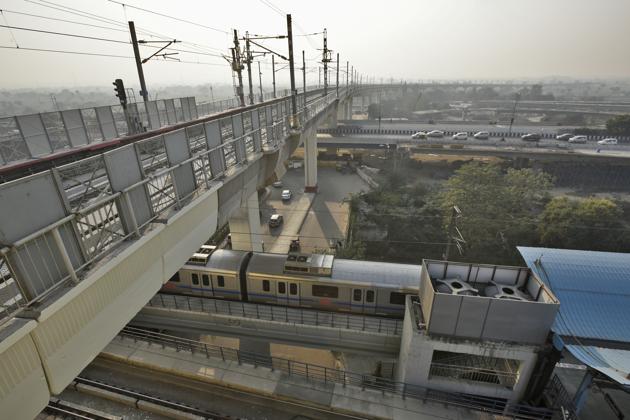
(105, 204)
(299, 316)
(316, 373)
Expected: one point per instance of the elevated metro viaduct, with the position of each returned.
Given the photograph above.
(86, 245)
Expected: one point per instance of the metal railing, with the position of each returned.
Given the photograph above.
(316, 373)
(475, 374)
(559, 398)
(100, 213)
(301, 316)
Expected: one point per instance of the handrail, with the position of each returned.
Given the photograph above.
(324, 374)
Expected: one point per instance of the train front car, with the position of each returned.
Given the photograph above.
(219, 274)
(376, 287)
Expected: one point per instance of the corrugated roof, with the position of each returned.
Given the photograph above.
(594, 293)
(593, 289)
(613, 363)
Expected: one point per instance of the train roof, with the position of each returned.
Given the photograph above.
(391, 274)
(226, 260)
(369, 272)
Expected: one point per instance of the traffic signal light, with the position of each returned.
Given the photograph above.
(120, 91)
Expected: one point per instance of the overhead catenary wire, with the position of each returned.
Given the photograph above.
(64, 20)
(168, 16)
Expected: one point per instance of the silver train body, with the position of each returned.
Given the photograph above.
(309, 281)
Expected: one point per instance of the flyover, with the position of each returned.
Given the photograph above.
(86, 245)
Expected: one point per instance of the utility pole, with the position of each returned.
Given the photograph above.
(516, 98)
(325, 61)
(452, 231)
(136, 53)
(291, 66)
(337, 75)
(260, 82)
(238, 68)
(352, 76)
(319, 77)
(211, 93)
(347, 72)
(248, 60)
(304, 76)
(273, 71)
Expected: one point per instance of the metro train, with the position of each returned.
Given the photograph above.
(299, 280)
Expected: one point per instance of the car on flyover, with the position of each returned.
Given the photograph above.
(482, 135)
(435, 133)
(578, 139)
(564, 136)
(286, 195)
(419, 135)
(462, 135)
(608, 141)
(277, 184)
(531, 137)
(275, 220)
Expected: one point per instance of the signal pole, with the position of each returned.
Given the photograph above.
(304, 76)
(136, 53)
(291, 65)
(337, 75)
(273, 71)
(260, 81)
(248, 60)
(347, 72)
(325, 61)
(238, 68)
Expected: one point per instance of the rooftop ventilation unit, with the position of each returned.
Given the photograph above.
(455, 287)
(502, 291)
(314, 264)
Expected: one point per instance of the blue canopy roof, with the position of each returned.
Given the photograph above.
(594, 293)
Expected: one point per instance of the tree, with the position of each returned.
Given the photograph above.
(619, 125)
(592, 224)
(498, 209)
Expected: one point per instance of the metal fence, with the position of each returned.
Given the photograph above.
(69, 217)
(475, 374)
(315, 373)
(560, 399)
(387, 326)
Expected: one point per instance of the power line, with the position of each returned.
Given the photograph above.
(19, 28)
(65, 20)
(169, 17)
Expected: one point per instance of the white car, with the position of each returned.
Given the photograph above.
(419, 135)
(286, 195)
(578, 139)
(277, 184)
(435, 133)
(460, 136)
(607, 141)
(482, 135)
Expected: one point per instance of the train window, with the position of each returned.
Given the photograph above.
(369, 296)
(220, 281)
(205, 280)
(325, 291)
(396, 298)
(266, 286)
(293, 288)
(356, 295)
(282, 287)
(175, 278)
(195, 279)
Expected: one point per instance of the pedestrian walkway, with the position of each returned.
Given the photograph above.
(336, 390)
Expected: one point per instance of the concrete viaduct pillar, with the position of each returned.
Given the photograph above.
(310, 160)
(245, 225)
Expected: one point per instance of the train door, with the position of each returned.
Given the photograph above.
(282, 294)
(294, 294)
(363, 301)
(206, 285)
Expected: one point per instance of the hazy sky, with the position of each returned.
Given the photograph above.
(412, 39)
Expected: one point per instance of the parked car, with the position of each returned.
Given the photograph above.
(275, 220)
(460, 136)
(578, 139)
(564, 136)
(608, 141)
(419, 135)
(531, 137)
(277, 184)
(286, 195)
(435, 133)
(482, 135)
